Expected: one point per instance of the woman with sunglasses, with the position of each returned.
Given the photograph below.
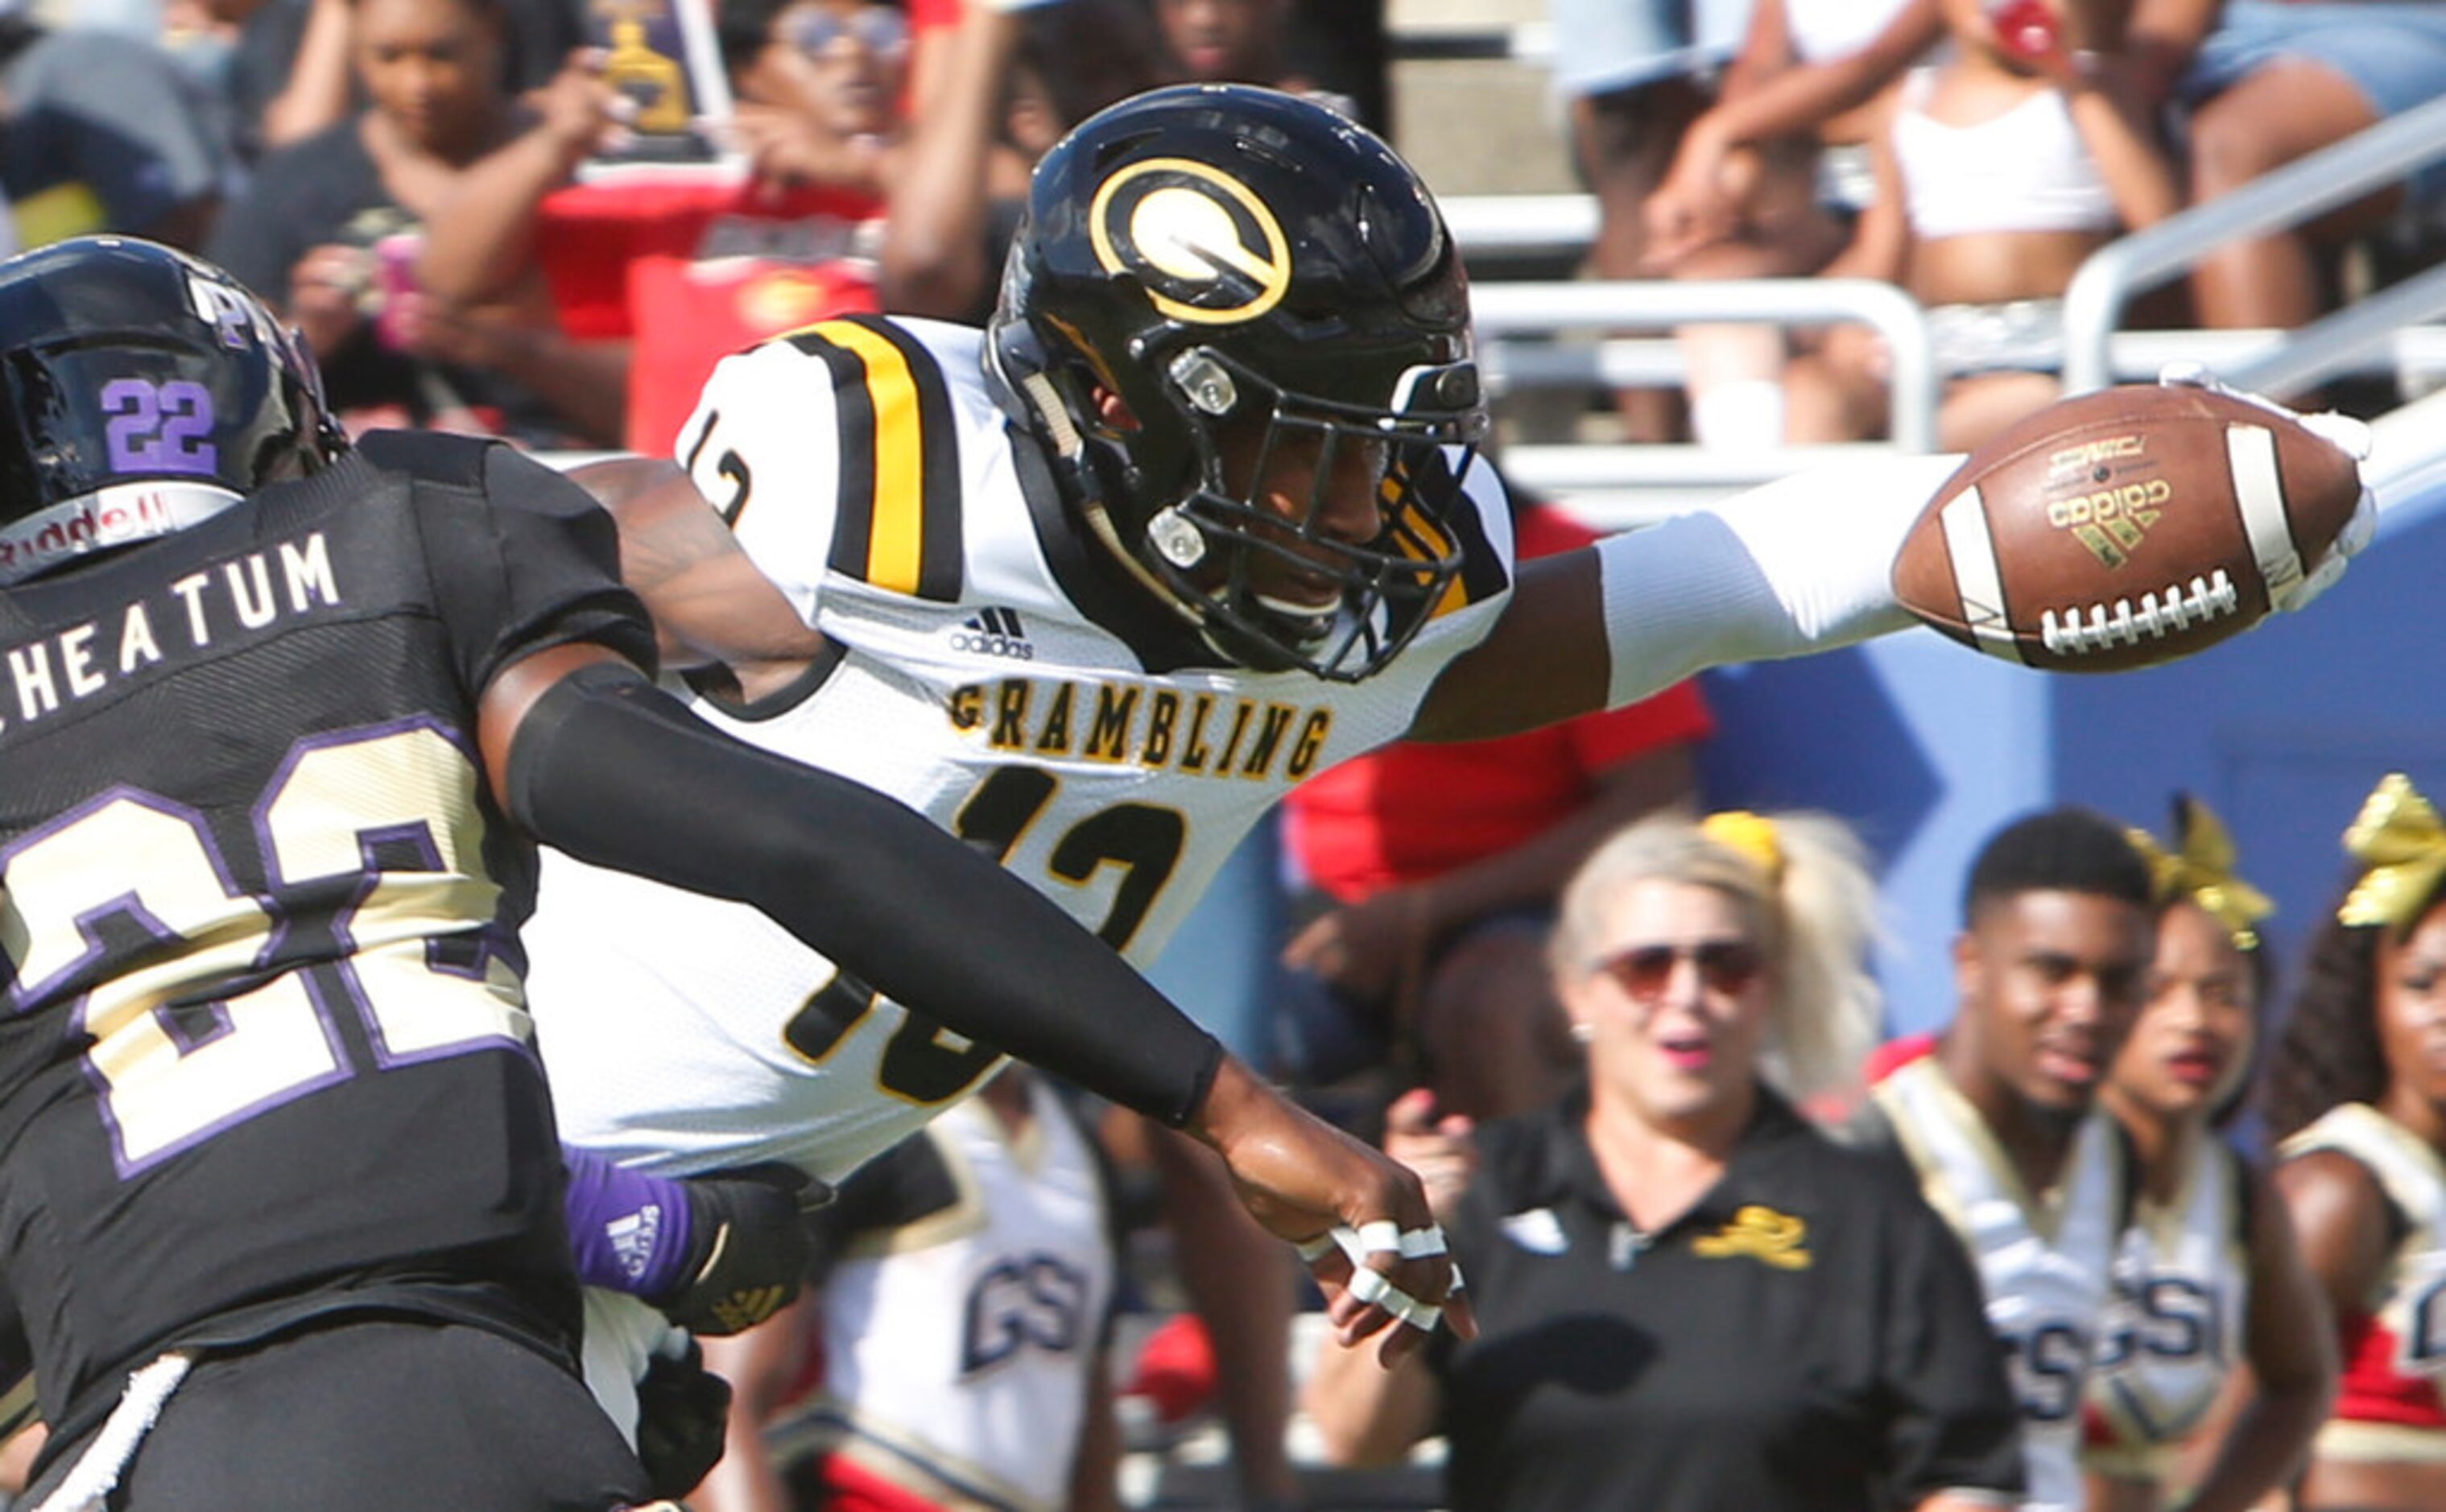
(2210, 1275)
(2358, 1084)
(1687, 1296)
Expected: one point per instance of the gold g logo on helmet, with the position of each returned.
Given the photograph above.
(1206, 249)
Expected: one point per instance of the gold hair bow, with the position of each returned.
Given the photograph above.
(2399, 838)
(2201, 869)
(1752, 835)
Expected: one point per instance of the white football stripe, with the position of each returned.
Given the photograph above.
(2258, 490)
(1976, 577)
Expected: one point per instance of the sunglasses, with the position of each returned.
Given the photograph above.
(881, 29)
(1643, 972)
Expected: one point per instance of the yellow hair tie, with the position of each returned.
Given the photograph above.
(2399, 838)
(1752, 835)
(2201, 869)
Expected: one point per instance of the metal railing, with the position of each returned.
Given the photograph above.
(2274, 201)
(2414, 355)
(1512, 309)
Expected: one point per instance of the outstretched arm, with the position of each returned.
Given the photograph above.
(587, 754)
(1800, 565)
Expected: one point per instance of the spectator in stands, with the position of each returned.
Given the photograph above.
(330, 228)
(2270, 83)
(1769, 181)
(101, 132)
(1998, 172)
(1008, 83)
(1236, 41)
(2357, 1088)
(2214, 1295)
(1634, 74)
(1682, 1286)
(687, 271)
(1999, 1125)
(284, 67)
(951, 1349)
(1430, 874)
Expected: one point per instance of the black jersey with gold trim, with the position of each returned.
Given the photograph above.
(266, 1053)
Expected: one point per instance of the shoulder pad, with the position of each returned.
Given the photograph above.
(432, 455)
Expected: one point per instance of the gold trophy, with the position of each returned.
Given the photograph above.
(654, 81)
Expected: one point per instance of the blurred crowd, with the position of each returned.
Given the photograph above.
(548, 220)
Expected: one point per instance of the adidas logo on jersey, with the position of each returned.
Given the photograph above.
(994, 632)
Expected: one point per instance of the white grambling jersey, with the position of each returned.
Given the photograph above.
(2045, 1263)
(957, 1347)
(2176, 1326)
(988, 672)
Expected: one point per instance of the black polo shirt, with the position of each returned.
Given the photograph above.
(1809, 1336)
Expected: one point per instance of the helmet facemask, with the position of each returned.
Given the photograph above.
(1236, 550)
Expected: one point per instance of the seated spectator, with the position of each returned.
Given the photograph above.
(1007, 85)
(2214, 1295)
(2357, 1090)
(328, 234)
(1236, 41)
(2275, 82)
(1688, 1297)
(1998, 172)
(101, 132)
(1768, 182)
(690, 268)
(1430, 872)
(1634, 74)
(951, 1350)
(281, 68)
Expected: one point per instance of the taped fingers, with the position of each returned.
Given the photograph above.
(1371, 1287)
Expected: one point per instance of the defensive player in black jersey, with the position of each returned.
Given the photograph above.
(278, 718)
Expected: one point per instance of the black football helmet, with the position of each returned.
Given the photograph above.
(1248, 271)
(146, 390)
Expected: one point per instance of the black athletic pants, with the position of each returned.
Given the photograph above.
(377, 1414)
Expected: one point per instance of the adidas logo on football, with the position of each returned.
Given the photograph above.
(994, 632)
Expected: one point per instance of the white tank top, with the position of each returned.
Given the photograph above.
(2025, 170)
(1824, 30)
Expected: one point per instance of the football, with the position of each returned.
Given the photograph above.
(2125, 528)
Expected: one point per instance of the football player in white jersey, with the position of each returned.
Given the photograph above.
(2211, 1277)
(1198, 515)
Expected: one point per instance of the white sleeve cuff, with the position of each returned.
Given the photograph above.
(1802, 564)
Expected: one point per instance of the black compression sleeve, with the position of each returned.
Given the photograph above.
(613, 771)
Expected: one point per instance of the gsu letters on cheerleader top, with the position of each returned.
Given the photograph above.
(2046, 1262)
(2176, 1326)
(971, 1294)
(2391, 1399)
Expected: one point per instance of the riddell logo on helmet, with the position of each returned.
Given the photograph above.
(107, 518)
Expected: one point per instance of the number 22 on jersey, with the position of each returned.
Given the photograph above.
(172, 1067)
